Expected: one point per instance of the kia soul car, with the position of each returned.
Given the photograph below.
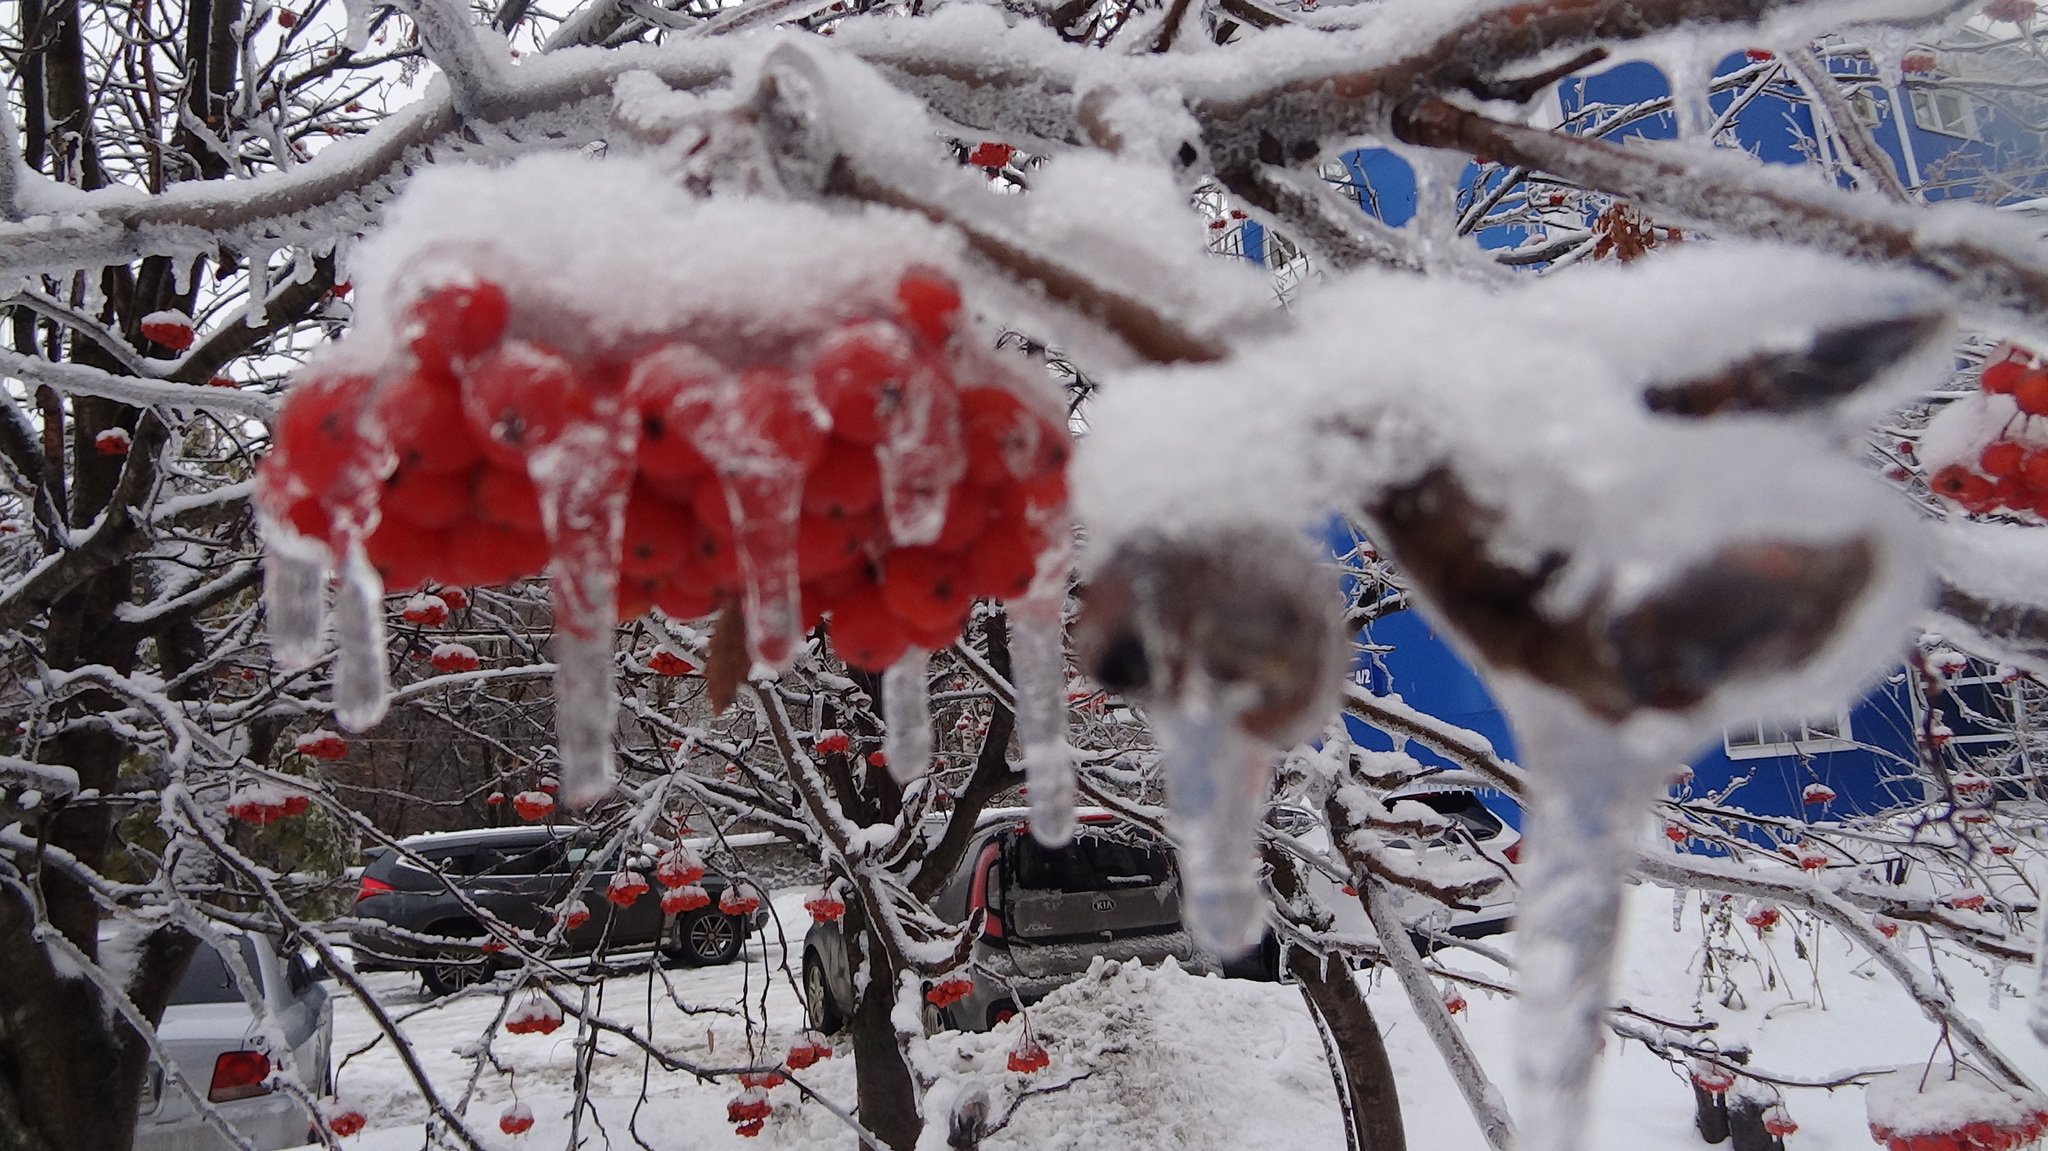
(222, 1050)
(1113, 893)
(520, 875)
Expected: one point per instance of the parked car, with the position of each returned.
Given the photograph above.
(1113, 893)
(1475, 833)
(520, 875)
(218, 1042)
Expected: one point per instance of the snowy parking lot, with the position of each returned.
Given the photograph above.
(1161, 1059)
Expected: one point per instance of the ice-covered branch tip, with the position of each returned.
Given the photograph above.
(1746, 610)
(1230, 640)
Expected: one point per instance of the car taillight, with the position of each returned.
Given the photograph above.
(238, 1075)
(1514, 852)
(372, 887)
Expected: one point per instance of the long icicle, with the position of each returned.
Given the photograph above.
(1589, 790)
(907, 716)
(583, 479)
(362, 682)
(1039, 666)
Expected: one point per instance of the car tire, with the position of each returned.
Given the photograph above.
(819, 1006)
(707, 938)
(466, 968)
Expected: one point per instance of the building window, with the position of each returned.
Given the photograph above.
(1769, 737)
(1948, 113)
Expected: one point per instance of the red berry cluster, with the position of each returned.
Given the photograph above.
(689, 897)
(516, 1119)
(433, 454)
(740, 899)
(1763, 917)
(1028, 1055)
(626, 887)
(1816, 794)
(833, 741)
(679, 867)
(2009, 474)
(1965, 900)
(802, 1055)
(575, 915)
(825, 907)
(345, 1121)
(946, 992)
(747, 1110)
(1979, 1136)
(537, 1015)
(762, 1079)
(321, 744)
(532, 805)
(669, 663)
(1778, 1121)
(262, 804)
(1711, 1077)
(1454, 1000)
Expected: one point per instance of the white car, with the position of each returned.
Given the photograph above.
(217, 1041)
(1476, 838)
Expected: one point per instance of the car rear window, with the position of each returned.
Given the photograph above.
(208, 980)
(1462, 806)
(1089, 863)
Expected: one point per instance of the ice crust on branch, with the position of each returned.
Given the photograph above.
(1631, 581)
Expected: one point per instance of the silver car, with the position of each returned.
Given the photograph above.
(219, 1045)
(1112, 893)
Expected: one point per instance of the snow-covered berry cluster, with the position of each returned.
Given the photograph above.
(874, 471)
(1985, 453)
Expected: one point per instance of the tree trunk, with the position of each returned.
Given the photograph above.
(1368, 1075)
(887, 1095)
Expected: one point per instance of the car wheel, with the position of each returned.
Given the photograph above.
(819, 1006)
(462, 967)
(443, 979)
(706, 938)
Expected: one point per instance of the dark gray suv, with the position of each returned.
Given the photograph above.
(1113, 892)
(520, 875)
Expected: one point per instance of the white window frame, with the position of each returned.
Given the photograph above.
(1929, 112)
(1817, 734)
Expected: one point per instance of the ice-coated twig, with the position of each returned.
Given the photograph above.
(1796, 890)
(476, 75)
(1983, 261)
(84, 380)
(1489, 1110)
(1871, 162)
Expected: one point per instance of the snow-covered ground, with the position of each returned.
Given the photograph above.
(1175, 1061)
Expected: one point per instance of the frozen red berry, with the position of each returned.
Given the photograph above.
(516, 1119)
(456, 321)
(626, 888)
(112, 442)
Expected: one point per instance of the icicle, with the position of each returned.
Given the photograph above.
(358, 34)
(1689, 67)
(1437, 175)
(1215, 775)
(258, 310)
(362, 683)
(762, 432)
(1039, 673)
(294, 595)
(921, 458)
(583, 479)
(907, 716)
(1584, 810)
